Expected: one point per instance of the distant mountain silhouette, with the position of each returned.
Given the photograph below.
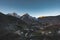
(50, 19)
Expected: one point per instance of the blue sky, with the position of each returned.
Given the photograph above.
(35, 8)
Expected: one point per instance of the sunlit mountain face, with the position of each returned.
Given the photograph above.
(35, 8)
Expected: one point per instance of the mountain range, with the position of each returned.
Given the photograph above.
(9, 21)
(19, 27)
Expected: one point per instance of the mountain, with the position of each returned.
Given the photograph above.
(29, 19)
(14, 14)
(9, 22)
(12, 26)
(26, 27)
(50, 20)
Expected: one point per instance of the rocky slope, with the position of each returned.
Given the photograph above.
(26, 27)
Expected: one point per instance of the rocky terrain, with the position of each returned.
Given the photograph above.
(26, 27)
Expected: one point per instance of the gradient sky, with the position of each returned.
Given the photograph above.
(34, 8)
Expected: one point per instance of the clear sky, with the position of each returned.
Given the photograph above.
(33, 7)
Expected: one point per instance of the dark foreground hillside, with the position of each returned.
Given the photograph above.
(14, 27)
